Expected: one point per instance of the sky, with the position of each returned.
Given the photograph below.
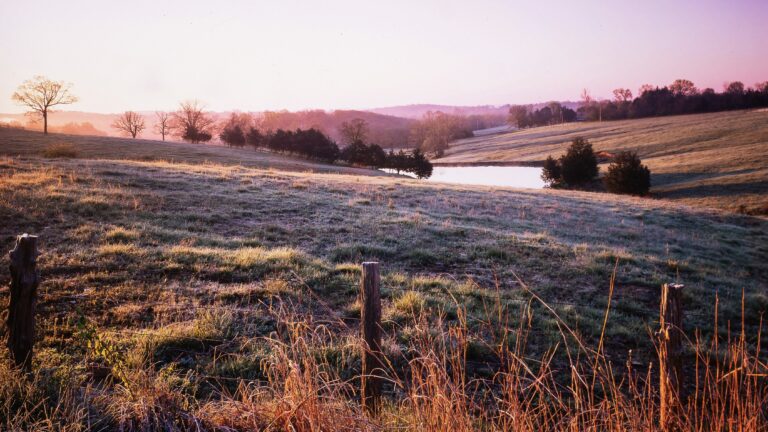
(356, 54)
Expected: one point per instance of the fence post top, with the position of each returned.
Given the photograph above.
(676, 286)
(25, 248)
(370, 263)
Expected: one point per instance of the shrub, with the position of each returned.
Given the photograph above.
(422, 168)
(61, 150)
(355, 153)
(195, 135)
(309, 143)
(233, 135)
(255, 138)
(627, 175)
(579, 164)
(551, 172)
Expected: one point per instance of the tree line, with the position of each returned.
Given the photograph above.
(524, 116)
(239, 130)
(680, 97)
(192, 123)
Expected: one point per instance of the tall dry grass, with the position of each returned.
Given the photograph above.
(431, 385)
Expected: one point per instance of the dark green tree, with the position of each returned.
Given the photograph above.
(627, 175)
(255, 138)
(551, 173)
(579, 164)
(233, 135)
(422, 167)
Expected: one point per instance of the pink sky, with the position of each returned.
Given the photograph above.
(255, 55)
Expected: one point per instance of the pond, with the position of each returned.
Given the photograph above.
(513, 176)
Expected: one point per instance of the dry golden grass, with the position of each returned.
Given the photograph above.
(182, 296)
(305, 384)
(61, 150)
(717, 160)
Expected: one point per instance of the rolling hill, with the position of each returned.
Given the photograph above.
(717, 160)
(199, 270)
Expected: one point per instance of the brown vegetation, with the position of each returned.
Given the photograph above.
(177, 295)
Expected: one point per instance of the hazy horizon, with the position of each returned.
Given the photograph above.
(341, 55)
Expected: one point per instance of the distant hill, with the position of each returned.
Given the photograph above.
(69, 122)
(417, 111)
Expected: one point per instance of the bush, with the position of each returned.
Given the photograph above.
(422, 167)
(194, 135)
(627, 175)
(355, 153)
(61, 150)
(233, 135)
(579, 164)
(255, 138)
(551, 172)
(310, 143)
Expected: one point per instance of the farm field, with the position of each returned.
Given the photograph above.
(192, 279)
(717, 160)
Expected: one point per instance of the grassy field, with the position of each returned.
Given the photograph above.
(16, 142)
(225, 294)
(715, 160)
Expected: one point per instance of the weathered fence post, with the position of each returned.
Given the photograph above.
(21, 311)
(370, 314)
(670, 346)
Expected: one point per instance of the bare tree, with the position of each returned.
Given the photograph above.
(557, 111)
(192, 123)
(353, 130)
(683, 87)
(434, 132)
(735, 87)
(622, 95)
(40, 94)
(586, 98)
(130, 122)
(164, 123)
(645, 88)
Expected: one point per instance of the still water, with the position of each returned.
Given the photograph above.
(521, 177)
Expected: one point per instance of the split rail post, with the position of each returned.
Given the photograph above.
(21, 310)
(370, 314)
(670, 355)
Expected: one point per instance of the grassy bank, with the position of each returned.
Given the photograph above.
(716, 160)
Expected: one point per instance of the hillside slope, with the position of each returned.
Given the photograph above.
(194, 275)
(14, 142)
(718, 159)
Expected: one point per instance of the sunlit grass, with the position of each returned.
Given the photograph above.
(201, 276)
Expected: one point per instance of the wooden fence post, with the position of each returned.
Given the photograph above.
(670, 346)
(370, 314)
(21, 311)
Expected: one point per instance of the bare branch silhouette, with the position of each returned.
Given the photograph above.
(164, 124)
(129, 122)
(39, 94)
